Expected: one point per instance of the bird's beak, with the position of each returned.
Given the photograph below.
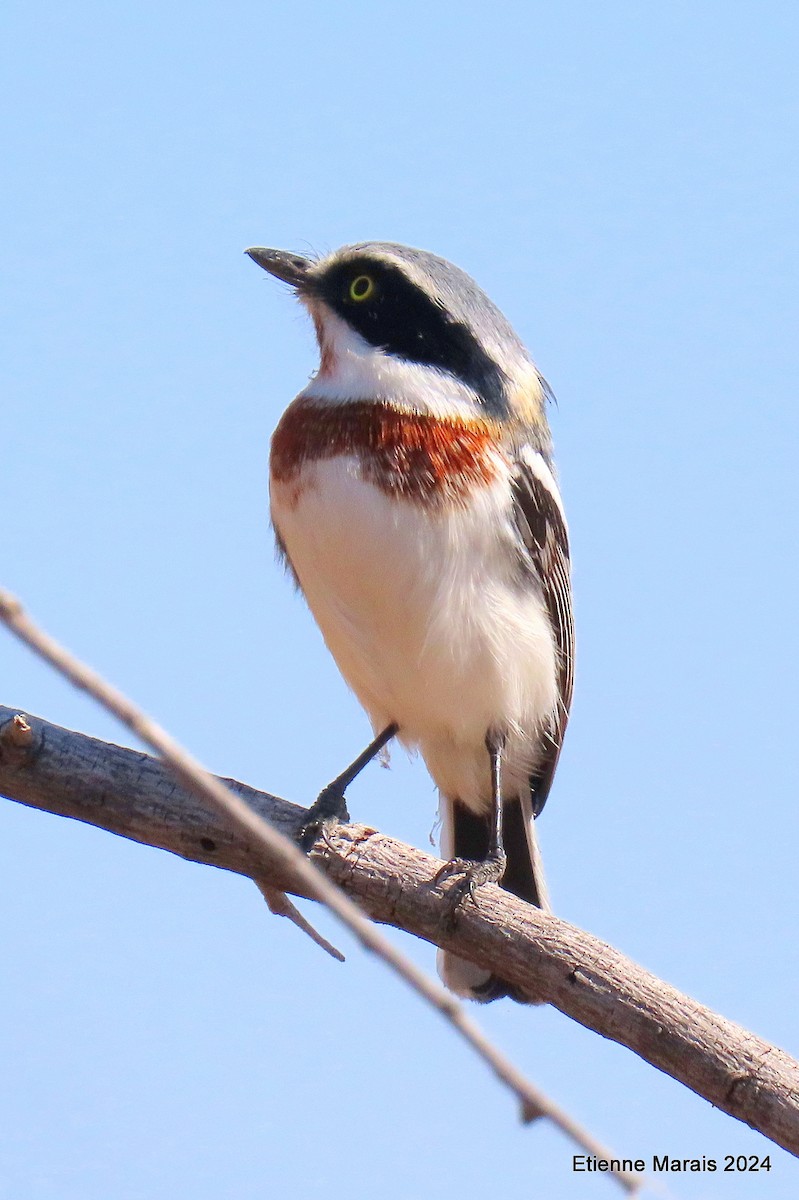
(291, 268)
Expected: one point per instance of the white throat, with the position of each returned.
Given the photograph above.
(352, 369)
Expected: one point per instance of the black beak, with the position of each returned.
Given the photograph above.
(291, 268)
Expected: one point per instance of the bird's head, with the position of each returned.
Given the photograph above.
(408, 328)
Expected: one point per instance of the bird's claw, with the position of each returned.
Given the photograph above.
(474, 875)
(329, 808)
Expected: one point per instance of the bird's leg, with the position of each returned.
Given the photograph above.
(496, 846)
(492, 868)
(330, 804)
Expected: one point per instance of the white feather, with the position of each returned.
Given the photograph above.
(422, 609)
(544, 474)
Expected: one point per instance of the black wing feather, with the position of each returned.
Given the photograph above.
(543, 531)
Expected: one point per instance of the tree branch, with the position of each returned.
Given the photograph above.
(132, 794)
(266, 842)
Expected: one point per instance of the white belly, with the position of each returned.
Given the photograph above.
(426, 618)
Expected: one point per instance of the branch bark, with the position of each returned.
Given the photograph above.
(306, 877)
(132, 794)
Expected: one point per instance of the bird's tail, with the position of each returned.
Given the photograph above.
(466, 835)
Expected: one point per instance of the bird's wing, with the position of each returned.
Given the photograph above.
(539, 518)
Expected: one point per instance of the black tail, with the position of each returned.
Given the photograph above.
(466, 835)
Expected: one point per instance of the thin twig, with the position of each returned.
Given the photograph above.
(311, 880)
(281, 906)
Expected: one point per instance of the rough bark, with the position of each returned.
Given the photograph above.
(132, 794)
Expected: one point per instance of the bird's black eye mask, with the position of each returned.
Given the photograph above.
(391, 312)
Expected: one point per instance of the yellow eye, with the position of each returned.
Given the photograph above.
(362, 288)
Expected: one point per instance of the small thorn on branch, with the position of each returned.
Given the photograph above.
(531, 1112)
(17, 731)
(16, 740)
(281, 906)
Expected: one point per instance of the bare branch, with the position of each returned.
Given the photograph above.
(130, 793)
(277, 852)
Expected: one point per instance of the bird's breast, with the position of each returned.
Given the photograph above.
(421, 457)
(410, 569)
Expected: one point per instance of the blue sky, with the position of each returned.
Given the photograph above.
(622, 181)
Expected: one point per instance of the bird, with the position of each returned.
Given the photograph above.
(414, 501)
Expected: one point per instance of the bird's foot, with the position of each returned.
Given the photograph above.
(329, 808)
(473, 875)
